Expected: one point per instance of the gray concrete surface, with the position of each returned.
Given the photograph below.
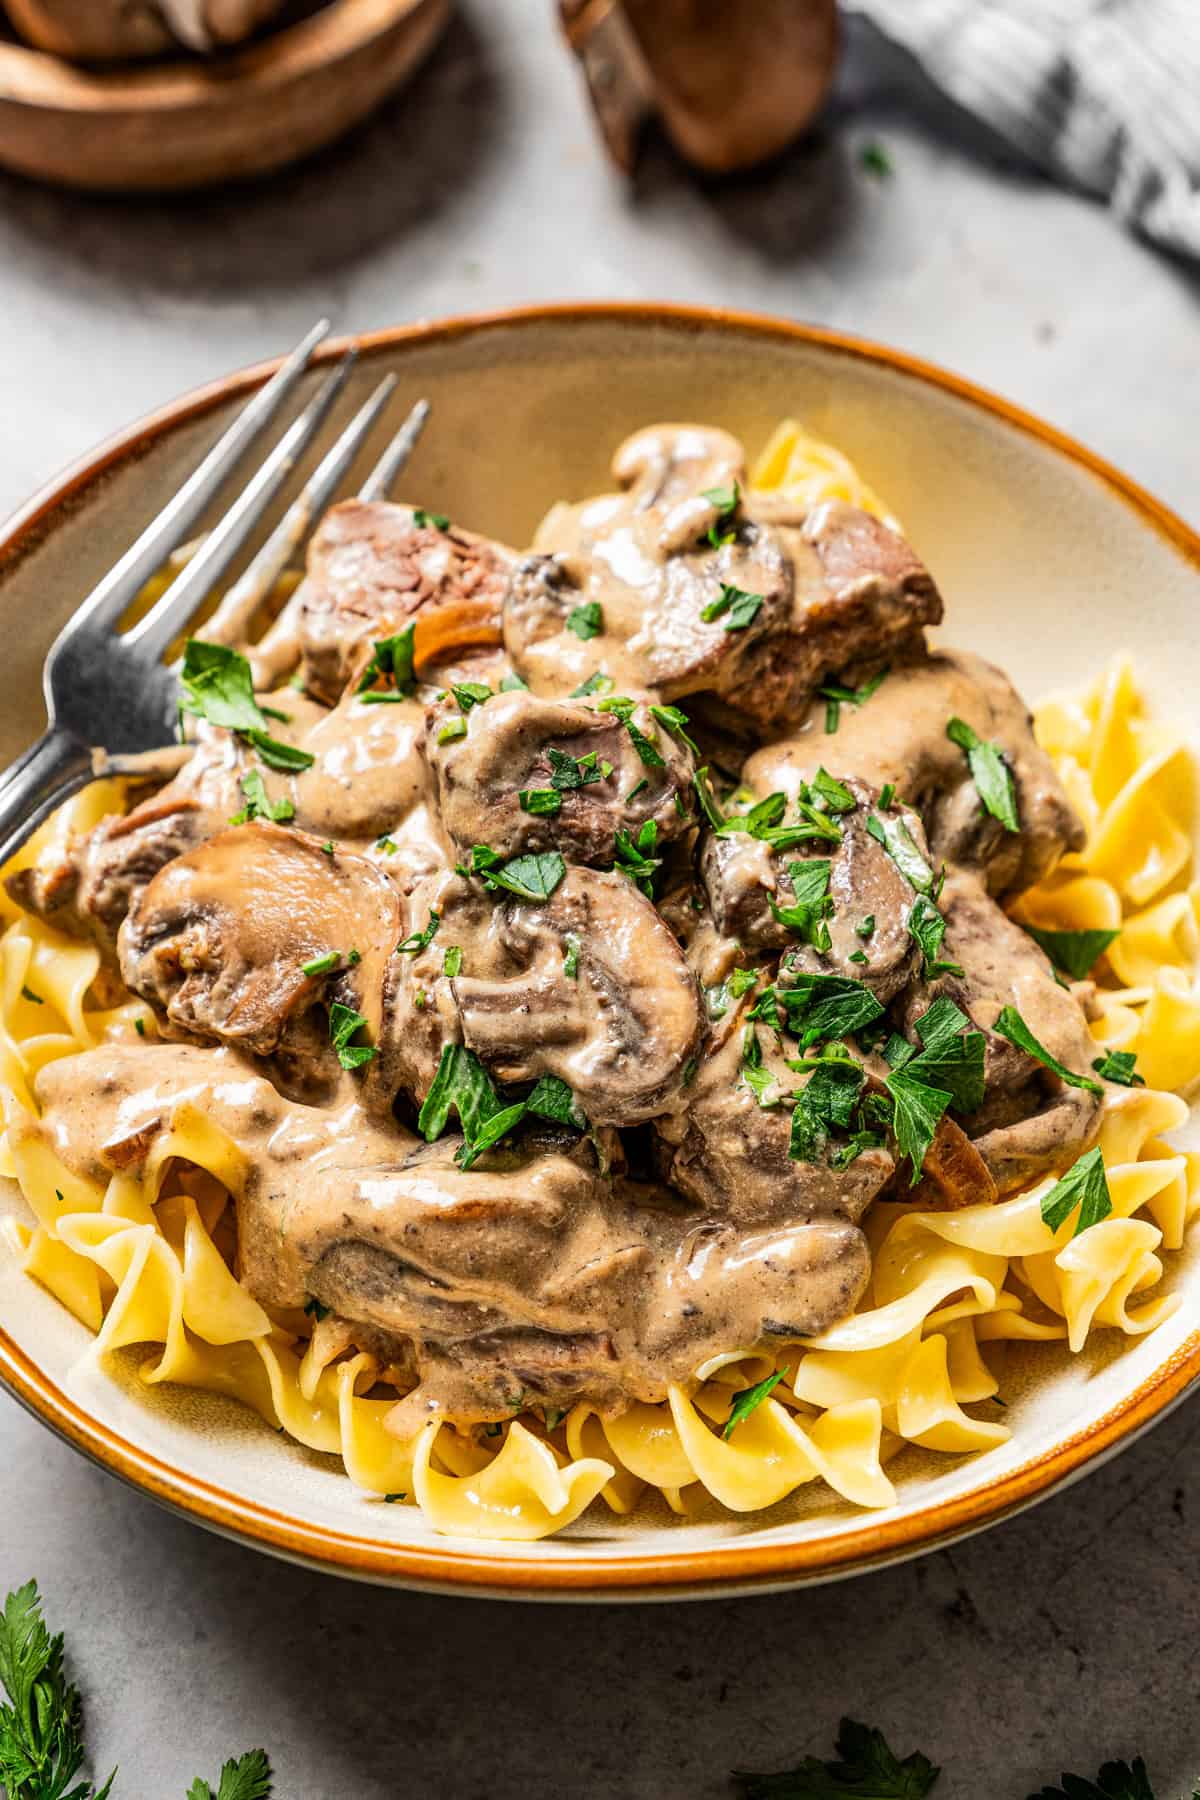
(1067, 1635)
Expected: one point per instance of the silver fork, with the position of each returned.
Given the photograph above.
(110, 698)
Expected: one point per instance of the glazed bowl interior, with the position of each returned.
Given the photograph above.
(1049, 564)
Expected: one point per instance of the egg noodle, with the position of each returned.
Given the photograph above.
(148, 1260)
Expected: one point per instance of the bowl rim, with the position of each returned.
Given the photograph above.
(463, 1565)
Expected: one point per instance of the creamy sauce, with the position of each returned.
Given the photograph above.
(566, 1264)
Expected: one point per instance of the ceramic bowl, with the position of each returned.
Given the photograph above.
(1049, 562)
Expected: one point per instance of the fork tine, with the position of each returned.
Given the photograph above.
(233, 618)
(146, 556)
(277, 650)
(169, 615)
(379, 481)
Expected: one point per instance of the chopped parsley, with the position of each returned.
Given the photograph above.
(344, 1024)
(597, 683)
(827, 1102)
(1119, 1066)
(27, 993)
(529, 877)
(635, 790)
(866, 927)
(571, 959)
(901, 846)
(748, 1400)
(758, 1079)
(676, 722)
(392, 658)
(463, 1085)
(989, 771)
(540, 800)
(834, 795)
(439, 521)
(1074, 952)
(586, 620)
(470, 693)
(416, 941)
(388, 845)
(452, 958)
(452, 729)
(726, 500)
(1012, 1026)
(139, 1025)
(946, 1071)
(743, 608)
(513, 684)
(321, 965)
(707, 799)
(812, 902)
(219, 688)
(635, 856)
(1085, 1186)
(316, 1309)
(927, 926)
(836, 695)
(876, 161)
(826, 1006)
(887, 794)
(259, 804)
(567, 772)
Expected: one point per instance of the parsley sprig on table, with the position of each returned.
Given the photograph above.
(41, 1720)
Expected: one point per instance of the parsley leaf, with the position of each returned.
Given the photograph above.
(571, 959)
(827, 1006)
(1116, 1781)
(321, 965)
(439, 521)
(41, 1746)
(513, 684)
(219, 688)
(416, 941)
(553, 1099)
(1085, 1185)
(259, 804)
(470, 693)
(827, 1102)
(901, 846)
(586, 620)
(529, 877)
(758, 1079)
(461, 1085)
(452, 958)
(726, 500)
(1118, 1066)
(676, 722)
(950, 1057)
(810, 888)
(837, 797)
(597, 683)
(919, 1109)
(1012, 1026)
(392, 656)
(867, 1769)
(708, 800)
(453, 729)
(344, 1022)
(540, 801)
(926, 924)
(245, 1777)
(989, 771)
(1074, 952)
(836, 695)
(634, 856)
(567, 772)
(489, 1133)
(748, 1400)
(743, 608)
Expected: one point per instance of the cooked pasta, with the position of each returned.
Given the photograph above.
(149, 1257)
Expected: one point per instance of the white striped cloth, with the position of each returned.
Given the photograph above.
(1101, 93)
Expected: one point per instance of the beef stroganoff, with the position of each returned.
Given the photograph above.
(632, 1014)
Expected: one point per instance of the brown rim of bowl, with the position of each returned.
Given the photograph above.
(744, 1566)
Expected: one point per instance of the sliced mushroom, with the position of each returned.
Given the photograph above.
(219, 940)
(785, 605)
(869, 898)
(620, 1031)
(1030, 1120)
(371, 568)
(733, 84)
(899, 736)
(605, 776)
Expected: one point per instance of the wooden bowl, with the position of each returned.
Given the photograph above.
(192, 123)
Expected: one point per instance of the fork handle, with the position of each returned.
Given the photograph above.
(56, 767)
